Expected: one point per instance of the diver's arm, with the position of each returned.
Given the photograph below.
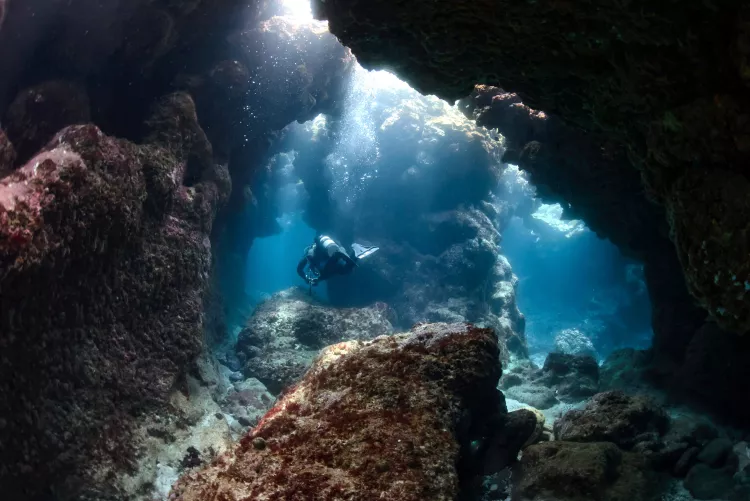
(301, 268)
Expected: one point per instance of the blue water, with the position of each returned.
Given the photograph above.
(272, 261)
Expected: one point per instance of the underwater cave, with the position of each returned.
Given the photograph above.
(334, 250)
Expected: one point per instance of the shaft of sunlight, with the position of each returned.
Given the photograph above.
(297, 9)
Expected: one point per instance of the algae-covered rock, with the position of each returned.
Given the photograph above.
(381, 419)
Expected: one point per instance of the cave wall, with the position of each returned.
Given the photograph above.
(130, 133)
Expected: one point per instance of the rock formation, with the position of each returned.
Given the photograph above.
(386, 418)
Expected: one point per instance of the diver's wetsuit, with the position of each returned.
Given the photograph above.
(326, 258)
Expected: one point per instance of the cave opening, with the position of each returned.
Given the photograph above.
(531, 292)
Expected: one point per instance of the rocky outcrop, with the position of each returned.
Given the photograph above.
(382, 418)
(104, 255)
(286, 332)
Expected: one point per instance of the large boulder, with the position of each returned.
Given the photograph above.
(614, 417)
(104, 255)
(370, 420)
(286, 332)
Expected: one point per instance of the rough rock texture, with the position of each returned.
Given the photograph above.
(104, 256)
(245, 403)
(567, 471)
(286, 332)
(635, 74)
(188, 431)
(614, 417)
(383, 419)
(521, 428)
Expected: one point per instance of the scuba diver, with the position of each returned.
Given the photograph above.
(325, 258)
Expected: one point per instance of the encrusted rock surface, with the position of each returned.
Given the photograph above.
(381, 419)
(104, 256)
(286, 332)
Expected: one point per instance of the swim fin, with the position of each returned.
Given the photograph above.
(361, 252)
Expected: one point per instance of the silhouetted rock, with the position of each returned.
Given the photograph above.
(382, 418)
(568, 471)
(286, 332)
(715, 369)
(614, 417)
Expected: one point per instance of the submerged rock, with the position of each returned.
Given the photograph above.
(614, 417)
(567, 471)
(286, 332)
(381, 419)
